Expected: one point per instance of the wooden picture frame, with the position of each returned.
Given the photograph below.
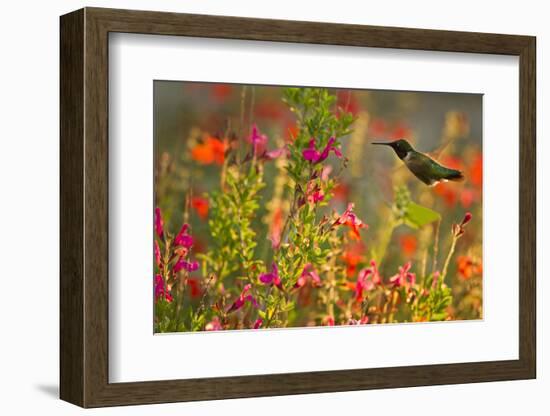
(84, 207)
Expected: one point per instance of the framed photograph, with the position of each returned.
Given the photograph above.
(257, 207)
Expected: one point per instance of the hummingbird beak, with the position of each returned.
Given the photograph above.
(382, 143)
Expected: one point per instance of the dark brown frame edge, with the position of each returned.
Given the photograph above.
(84, 207)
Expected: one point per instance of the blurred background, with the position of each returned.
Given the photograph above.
(192, 119)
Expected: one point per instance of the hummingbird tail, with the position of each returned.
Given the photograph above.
(454, 175)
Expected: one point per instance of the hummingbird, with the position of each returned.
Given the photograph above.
(422, 166)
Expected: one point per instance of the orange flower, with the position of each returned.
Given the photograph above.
(408, 244)
(201, 206)
(468, 267)
(212, 150)
(352, 256)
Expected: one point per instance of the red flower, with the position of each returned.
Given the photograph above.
(194, 288)
(459, 229)
(201, 206)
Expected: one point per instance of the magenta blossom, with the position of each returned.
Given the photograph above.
(242, 299)
(308, 273)
(161, 291)
(213, 325)
(159, 224)
(272, 278)
(259, 141)
(158, 259)
(312, 155)
(183, 238)
(258, 323)
(404, 277)
(182, 264)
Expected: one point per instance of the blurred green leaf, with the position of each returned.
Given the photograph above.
(417, 216)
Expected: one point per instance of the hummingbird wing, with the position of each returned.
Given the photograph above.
(429, 171)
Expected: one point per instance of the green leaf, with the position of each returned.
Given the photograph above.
(417, 216)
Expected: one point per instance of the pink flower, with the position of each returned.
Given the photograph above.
(312, 155)
(183, 238)
(272, 278)
(367, 280)
(161, 291)
(213, 325)
(350, 219)
(404, 277)
(242, 299)
(182, 264)
(274, 154)
(259, 141)
(308, 273)
(159, 224)
(259, 146)
(157, 253)
(258, 323)
(314, 193)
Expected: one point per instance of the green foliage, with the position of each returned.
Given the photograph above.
(410, 213)
(232, 212)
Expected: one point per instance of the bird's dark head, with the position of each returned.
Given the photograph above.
(401, 147)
